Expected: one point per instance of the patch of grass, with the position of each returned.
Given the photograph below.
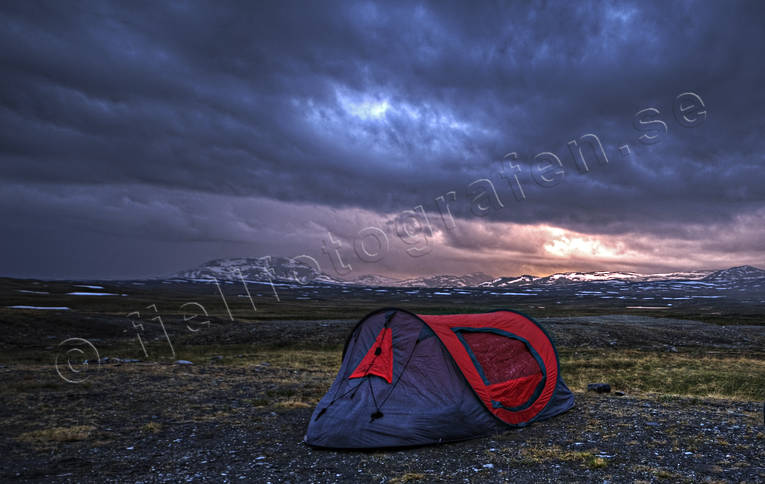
(259, 402)
(293, 404)
(202, 353)
(301, 359)
(408, 477)
(679, 400)
(719, 376)
(58, 434)
(32, 386)
(152, 427)
(666, 474)
(594, 462)
(281, 392)
(658, 472)
(537, 455)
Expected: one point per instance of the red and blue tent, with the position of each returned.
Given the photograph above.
(412, 379)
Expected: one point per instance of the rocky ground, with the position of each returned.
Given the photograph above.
(238, 414)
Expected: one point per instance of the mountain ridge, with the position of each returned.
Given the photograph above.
(276, 268)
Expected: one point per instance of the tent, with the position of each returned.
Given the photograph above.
(413, 379)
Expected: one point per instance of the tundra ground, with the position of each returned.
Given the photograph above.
(686, 403)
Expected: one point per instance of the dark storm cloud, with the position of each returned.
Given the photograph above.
(373, 106)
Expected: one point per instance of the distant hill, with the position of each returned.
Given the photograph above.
(736, 274)
(291, 270)
(598, 276)
(257, 269)
(288, 269)
(474, 279)
(510, 281)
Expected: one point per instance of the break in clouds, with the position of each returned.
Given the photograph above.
(143, 139)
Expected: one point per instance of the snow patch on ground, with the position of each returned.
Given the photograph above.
(54, 308)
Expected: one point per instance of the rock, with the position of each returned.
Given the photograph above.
(598, 387)
(216, 358)
(183, 362)
(619, 394)
(672, 349)
(652, 424)
(108, 359)
(130, 360)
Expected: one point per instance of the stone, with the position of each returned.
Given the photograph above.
(598, 387)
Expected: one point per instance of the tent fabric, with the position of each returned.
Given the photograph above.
(379, 360)
(408, 379)
(499, 399)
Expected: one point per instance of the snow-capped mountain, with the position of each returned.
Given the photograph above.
(736, 274)
(565, 277)
(287, 269)
(375, 280)
(509, 281)
(684, 276)
(598, 276)
(257, 269)
(474, 279)
(292, 270)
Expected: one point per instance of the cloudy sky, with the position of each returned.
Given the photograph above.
(139, 140)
